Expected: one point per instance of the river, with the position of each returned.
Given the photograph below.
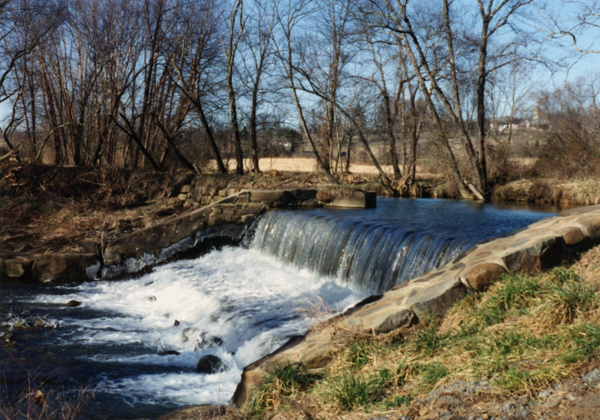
(237, 303)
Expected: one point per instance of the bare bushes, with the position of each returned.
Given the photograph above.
(501, 166)
(569, 154)
(36, 398)
(112, 187)
(569, 126)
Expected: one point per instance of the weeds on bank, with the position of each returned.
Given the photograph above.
(522, 335)
(41, 399)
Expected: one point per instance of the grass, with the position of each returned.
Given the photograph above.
(522, 335)
(286, 381)
(53, 398)
(351, 390)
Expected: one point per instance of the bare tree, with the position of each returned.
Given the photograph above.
(577, 21)
(197, 63)
(289, 18)
(464, 49)
(24, 25)
(257, 60)
(237, 25)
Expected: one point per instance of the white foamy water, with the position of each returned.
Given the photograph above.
(237, 304)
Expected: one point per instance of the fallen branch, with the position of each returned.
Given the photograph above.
(475, 191)
(10, 154)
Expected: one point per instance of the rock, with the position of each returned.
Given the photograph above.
(347, 197)
(572, 235)
(325, 196)
(185, 189)
(73, 304)
(208, 342)
(209, 364)
(64, 267)
(484, 275)
(176, 324)
(91, 248)
(224, 222)
(274, 198)
(169, 353)
(16, 266)
(534, 256)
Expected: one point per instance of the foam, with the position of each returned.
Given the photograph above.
(244, 298)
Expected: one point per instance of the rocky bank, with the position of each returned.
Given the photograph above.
(547, 243)
(221, 223)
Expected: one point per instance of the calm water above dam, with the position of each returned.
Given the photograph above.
(235, 303)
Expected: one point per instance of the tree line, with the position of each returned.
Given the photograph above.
(153, 83)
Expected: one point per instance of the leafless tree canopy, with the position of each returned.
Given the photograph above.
(195, 84)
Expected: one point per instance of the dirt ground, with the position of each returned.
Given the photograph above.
(45, 209)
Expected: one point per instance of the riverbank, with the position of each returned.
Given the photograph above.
(57, 209)
(219, 210)
(47, 209)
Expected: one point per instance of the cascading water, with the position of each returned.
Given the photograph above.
(370, 257)
(238, 304)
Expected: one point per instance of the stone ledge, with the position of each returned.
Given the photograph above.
(227, 219)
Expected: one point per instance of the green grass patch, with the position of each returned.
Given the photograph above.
(432, 373)
(285, 381)
(351, 390)
(360, 353)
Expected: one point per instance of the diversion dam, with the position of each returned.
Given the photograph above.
(135, 342)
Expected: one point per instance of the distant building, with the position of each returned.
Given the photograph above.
(516, 124)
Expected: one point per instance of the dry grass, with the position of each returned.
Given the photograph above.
(52, 398)
(573, 192)
(63, 225)
(521, 336)
(307, 165)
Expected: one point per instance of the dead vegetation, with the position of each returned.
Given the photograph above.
(54, 209)
(50, 209)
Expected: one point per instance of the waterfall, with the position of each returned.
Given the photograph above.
(370, 256)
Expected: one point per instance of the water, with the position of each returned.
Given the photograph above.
(236, 303)
(376, 249)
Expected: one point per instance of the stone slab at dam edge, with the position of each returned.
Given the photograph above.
(543, 245)
(223, 222)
